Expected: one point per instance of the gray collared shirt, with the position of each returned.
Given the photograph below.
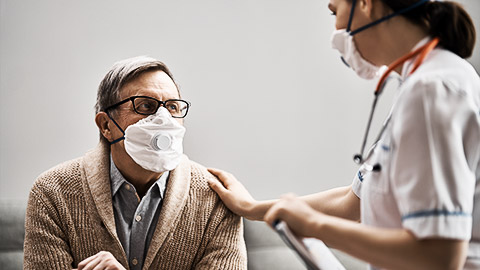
(135, 219)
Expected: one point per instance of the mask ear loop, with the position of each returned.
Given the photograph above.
(352, 10)
(354, 2)
(419, 3)
(358, 158)
(115, 122)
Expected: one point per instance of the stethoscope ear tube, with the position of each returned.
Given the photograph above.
(358, 158)
(380, 90)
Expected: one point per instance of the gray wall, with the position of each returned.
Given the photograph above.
(272, 103)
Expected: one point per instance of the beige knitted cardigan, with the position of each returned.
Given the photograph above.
(70, 217)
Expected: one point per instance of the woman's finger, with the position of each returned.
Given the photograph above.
(217, 186)
(226, 178)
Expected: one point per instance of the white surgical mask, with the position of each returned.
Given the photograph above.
(342, 40)
(156, 142)
(344, 43)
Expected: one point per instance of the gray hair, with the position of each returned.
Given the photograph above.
(123, 72)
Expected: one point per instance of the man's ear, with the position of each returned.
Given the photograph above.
(102, 120)
(366, 6)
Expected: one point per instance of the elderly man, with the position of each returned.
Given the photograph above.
(135, 201)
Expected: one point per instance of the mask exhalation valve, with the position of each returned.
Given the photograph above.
(161, 141)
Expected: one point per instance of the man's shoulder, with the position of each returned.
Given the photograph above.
(199, 176)
(60, 178)
(200, 188)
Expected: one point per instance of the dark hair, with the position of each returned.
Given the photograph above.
(446, 20)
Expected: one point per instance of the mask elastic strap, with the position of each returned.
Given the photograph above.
(352, 10)
(121, 138)
(419, 3)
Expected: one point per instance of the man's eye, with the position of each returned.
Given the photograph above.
(172, 107)
(145, 106)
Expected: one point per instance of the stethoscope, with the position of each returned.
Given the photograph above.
(422, 53)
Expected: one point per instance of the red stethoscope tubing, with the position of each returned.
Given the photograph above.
(423, 51)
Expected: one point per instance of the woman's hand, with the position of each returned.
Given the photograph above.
(101, 260)
(234, 195)
(302, 219)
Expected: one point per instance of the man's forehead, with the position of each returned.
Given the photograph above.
(152, 82)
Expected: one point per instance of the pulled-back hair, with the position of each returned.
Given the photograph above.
(446, 20)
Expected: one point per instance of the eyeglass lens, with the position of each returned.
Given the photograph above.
(147, 106)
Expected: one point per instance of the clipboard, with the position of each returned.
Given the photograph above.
(313, 252)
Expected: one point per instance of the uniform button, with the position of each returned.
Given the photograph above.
(134, 261)
(127, 186)
(138, 218)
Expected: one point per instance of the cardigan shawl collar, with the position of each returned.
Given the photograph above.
(96, 166)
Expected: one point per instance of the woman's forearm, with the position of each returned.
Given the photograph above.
(338, 202)
(258, 209)
(390, 248)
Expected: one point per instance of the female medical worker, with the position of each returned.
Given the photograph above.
(417, 193)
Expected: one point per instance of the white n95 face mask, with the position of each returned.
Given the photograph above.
(155, 142)
(344, 43)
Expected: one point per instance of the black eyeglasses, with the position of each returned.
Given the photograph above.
(144, 105)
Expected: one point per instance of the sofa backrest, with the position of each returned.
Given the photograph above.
(266, 250)
(12, 233)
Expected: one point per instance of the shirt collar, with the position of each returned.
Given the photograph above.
(162, 183)
(117, 180)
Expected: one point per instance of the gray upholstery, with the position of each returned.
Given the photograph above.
(12, 220)
(265, 248)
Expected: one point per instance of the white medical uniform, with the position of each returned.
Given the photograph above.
(429, 155)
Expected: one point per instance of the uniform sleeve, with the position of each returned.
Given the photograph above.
(357, 184)
(226, 248)
(45, 245)
(432, 180)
